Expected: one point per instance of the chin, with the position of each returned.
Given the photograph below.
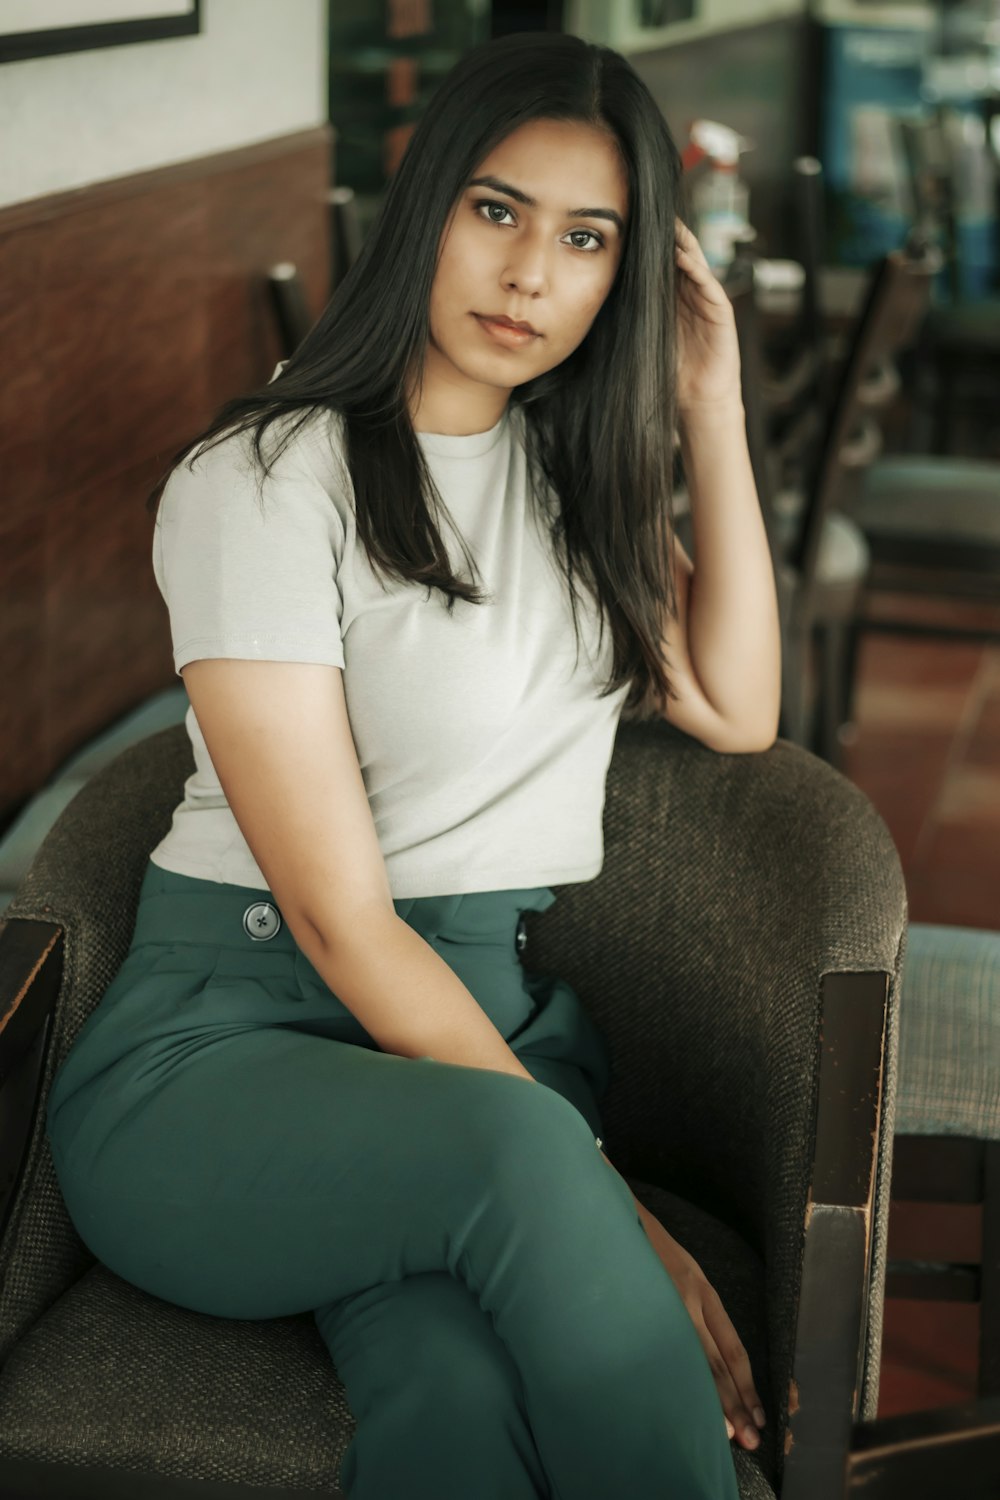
(491, 372)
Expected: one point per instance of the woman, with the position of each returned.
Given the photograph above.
(306, 1088)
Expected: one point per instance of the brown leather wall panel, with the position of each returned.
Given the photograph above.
(22, 450)
(22, 636)
(129, 312)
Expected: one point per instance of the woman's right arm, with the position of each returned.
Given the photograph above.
(281, 743)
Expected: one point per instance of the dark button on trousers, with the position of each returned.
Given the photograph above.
(228, 1137)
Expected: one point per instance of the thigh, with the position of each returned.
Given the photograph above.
(273, 1171)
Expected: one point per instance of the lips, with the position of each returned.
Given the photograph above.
(506, 322)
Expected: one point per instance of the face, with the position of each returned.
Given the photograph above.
(543, 248)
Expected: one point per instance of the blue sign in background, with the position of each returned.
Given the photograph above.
(879, 71)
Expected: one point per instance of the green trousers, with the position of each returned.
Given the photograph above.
(228, 1137)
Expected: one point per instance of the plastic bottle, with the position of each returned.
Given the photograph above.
(720, 198)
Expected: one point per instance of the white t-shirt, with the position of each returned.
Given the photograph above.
(483, 751)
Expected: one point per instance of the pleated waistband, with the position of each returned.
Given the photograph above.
(182, 908)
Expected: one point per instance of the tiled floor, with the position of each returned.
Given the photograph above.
(926, 750)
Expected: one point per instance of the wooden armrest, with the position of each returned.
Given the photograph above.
(31, 964)
(31, 958)
(830, 1333)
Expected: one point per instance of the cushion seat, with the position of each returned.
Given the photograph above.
(262, 1400)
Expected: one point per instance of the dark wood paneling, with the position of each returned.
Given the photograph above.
(22, 390)
(246, 220)
(104, 615)
(22, 644)
(122, 321)
(129, 312)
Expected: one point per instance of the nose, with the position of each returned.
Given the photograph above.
(527, 268)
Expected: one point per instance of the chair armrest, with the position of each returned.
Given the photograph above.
(836, 1356)
(31, 963)
(731, 884)
(85, 878)
(741, 951)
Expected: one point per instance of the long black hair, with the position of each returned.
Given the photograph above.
(598, 428)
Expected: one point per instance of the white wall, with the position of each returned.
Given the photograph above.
(258, 69)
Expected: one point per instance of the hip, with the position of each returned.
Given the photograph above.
(208, 963)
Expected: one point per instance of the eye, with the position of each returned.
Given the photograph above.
(491, 203)
(590, 234)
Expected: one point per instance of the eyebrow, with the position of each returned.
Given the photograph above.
(520, 197)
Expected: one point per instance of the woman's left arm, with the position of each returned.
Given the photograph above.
(723, 651)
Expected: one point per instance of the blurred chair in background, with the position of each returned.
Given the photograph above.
(946, 1141)
(345, 233)
(823, 515)
(957, 357)
(931, 522)
(821, 555)
(795, 389)
(288, 298)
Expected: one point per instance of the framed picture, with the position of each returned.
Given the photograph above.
(40, 28)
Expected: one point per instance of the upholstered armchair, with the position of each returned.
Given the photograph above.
(741, 950)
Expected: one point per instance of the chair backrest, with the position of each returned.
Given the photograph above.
(810, 241)
(288, 299)
(947, 164)
(345, 232)
(897, 300)
(924, 149)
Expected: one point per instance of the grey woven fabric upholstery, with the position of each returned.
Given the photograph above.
(731, 884)
(949, 1042)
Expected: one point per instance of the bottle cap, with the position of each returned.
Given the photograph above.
(718, 141)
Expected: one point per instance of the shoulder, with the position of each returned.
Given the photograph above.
(301, 453)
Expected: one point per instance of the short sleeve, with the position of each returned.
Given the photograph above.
(249, 566)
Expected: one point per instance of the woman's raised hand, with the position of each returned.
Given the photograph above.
(708, 347)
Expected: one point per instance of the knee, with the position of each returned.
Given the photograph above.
(528, 1121)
